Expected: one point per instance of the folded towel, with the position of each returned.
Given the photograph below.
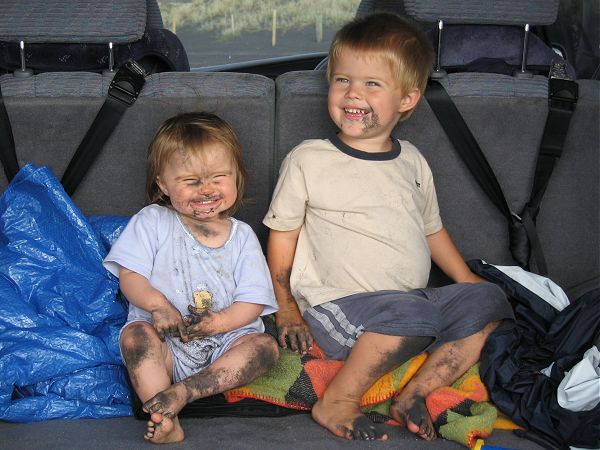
(460, 412)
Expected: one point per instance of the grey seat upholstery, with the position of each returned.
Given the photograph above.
(50, 113)
(506, 116)
(68, 35)
(81, 21)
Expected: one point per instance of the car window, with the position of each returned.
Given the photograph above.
(235, 31)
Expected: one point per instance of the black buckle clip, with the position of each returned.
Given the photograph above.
(127, 83)
(563, 92)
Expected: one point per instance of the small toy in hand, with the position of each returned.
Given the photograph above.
(202, 299)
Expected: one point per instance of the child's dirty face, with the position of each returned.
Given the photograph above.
(364, 100)
(200, 187)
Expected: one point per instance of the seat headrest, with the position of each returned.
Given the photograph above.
(496, 12)
(73, 21)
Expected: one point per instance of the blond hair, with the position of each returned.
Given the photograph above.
(192, 134)
(401, 43)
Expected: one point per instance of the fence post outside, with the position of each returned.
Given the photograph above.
(274, 29)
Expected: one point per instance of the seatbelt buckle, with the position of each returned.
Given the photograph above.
(127, 83)
(563, 92)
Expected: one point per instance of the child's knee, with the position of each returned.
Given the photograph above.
(268, 349)
(262, 349)
(136, 341)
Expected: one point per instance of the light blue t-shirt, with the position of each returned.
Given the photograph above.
(158, 245)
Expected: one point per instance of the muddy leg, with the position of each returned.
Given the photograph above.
(149, 365)
(443, 367)
(372, 356)
(251, 356)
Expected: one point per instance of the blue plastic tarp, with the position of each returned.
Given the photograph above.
(60, 310)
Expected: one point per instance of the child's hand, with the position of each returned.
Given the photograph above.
(292, 326)
(167, 320)
(199, 324)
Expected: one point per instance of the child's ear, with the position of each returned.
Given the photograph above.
(161, 186)
(410, 100)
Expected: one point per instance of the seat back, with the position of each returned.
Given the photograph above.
(74, 35)
(482, 36)
(51, 112)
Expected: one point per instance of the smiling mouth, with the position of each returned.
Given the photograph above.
(355, 113)
(205, 206)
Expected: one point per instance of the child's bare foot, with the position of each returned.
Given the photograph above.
(163, 426)
(412, 411)
(344, 419)
(169, 402)
(163, 430)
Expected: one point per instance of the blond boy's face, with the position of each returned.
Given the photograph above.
(365, 101)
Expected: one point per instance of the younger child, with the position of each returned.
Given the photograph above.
(195, 278)
(354, 226)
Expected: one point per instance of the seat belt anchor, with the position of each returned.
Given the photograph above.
(515, 216)
(563, 92)
(127, 83)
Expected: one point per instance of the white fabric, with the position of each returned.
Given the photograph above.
(543, 287)
(580, 388)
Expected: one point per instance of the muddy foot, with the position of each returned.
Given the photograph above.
(162, 430)
(413, 413)
(345, 420)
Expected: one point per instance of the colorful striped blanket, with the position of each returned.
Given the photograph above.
(460, 412)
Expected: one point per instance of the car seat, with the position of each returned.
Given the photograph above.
(86, 35)
(498, 37)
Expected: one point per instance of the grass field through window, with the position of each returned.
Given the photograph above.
(218, 32)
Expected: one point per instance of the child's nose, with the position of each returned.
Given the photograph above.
(205, 188)
(353, 91)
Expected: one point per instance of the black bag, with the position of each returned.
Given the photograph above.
(515, 354)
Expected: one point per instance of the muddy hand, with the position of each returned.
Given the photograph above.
(293, 329)
(167, 320)
(199, 324)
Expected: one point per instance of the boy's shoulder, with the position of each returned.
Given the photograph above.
(310, 146)
(409, 152)
(409, 149)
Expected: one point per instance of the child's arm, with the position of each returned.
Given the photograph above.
(203, 323)
(281, 249)
(138, 290)
(447, 257)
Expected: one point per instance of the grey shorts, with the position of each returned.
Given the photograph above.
(446, 314)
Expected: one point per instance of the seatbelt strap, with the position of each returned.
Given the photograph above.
(465, 143)
(467, 147)
(8, 154)
(562, 96)
(122, 93)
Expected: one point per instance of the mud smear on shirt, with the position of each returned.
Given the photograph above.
(204, 231)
